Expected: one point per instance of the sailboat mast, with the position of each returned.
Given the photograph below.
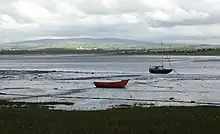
(162, 53)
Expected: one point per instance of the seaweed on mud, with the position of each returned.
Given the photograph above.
(97, 77)
(12, 88)
(70, 91)
(134, 105)
(6, 104)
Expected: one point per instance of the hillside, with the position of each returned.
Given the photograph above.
(97, 43)
(80, 43)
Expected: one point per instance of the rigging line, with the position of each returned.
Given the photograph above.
(172, 66)
(162, 53)
(170, 61)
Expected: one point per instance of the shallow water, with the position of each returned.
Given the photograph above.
(71, 77)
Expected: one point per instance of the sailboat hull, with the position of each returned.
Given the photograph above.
(161, 71)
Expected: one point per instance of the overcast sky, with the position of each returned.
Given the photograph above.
(152, 20)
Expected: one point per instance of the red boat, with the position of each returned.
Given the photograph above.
(118, 84)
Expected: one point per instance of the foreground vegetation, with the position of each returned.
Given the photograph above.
(136, 120)
(208, 51)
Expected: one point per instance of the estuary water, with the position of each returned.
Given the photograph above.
(69, 78)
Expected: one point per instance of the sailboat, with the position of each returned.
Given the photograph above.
(160, 68)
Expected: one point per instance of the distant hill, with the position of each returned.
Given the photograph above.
(96, 43)
(74, 43)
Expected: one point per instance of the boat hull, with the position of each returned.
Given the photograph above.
(119, 84)
(163, 71)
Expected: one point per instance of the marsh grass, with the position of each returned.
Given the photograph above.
(11, 104)
(135, 120)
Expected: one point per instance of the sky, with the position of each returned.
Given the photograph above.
(190, 21)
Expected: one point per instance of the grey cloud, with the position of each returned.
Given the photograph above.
(15, 16)
(7, 9)
(11, 35)
(213, 19)
(95, 30)
(71, 25)
(49, 5)
(94, 7)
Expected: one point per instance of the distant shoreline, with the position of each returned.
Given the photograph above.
(59, 51)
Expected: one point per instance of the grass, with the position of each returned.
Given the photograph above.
(136, 120)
